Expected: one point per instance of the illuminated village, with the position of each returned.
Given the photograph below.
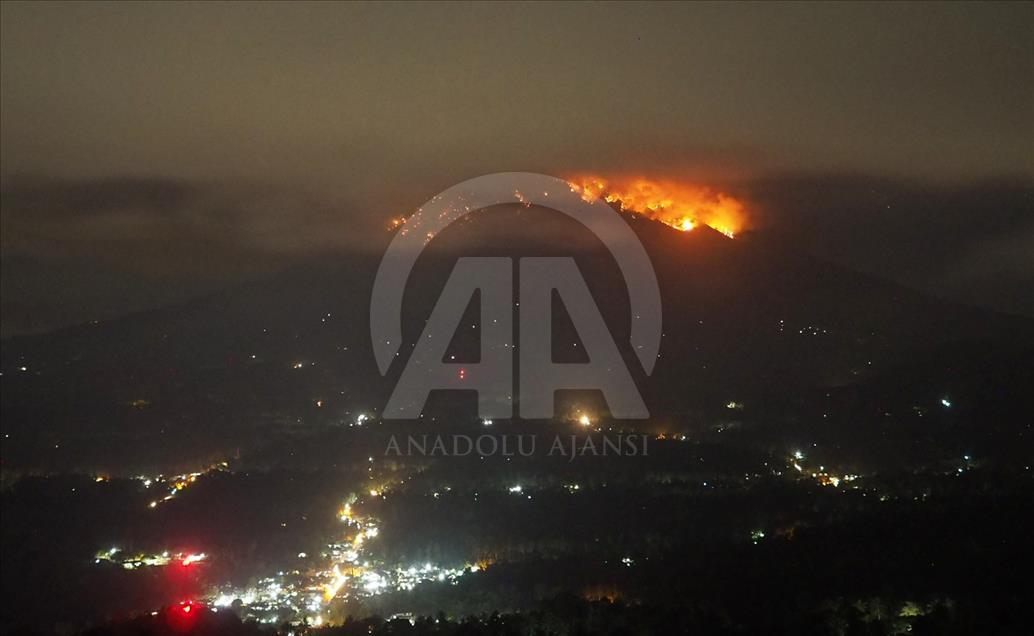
(309, 518)
(516, 318)
(323, 586)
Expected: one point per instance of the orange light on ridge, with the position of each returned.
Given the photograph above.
(682, 206)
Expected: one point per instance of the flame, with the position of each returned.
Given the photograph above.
(682, 206)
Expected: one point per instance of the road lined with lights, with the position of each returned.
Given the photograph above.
(348, 573)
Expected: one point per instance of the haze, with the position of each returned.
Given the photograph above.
(154, 152)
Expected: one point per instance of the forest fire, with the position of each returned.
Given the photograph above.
(682, 206)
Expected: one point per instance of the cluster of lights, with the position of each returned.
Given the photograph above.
(177, 483)
(304, 596)
(141, 560)
(300, 595)
(810, 330)
(408, 578)
(272, 598)
(682, 437)
(824, 477)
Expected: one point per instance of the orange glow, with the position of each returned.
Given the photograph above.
(602, 592)
(683, 206)
(331, 589)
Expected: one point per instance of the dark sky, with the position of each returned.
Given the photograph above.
(151, 152)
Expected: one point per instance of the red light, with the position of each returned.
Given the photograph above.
(182, 617)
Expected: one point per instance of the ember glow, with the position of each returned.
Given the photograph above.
(683, 206)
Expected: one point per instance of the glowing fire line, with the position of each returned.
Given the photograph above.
(682, 206)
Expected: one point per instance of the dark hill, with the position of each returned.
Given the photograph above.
(743, 319)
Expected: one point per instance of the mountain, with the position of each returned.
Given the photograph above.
(745, 320)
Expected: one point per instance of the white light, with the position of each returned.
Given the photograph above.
(373, 582)
(515, 489)
(946, 403)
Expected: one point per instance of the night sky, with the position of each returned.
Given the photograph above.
(154, 152)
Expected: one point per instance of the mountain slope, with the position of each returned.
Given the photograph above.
(743, 318)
